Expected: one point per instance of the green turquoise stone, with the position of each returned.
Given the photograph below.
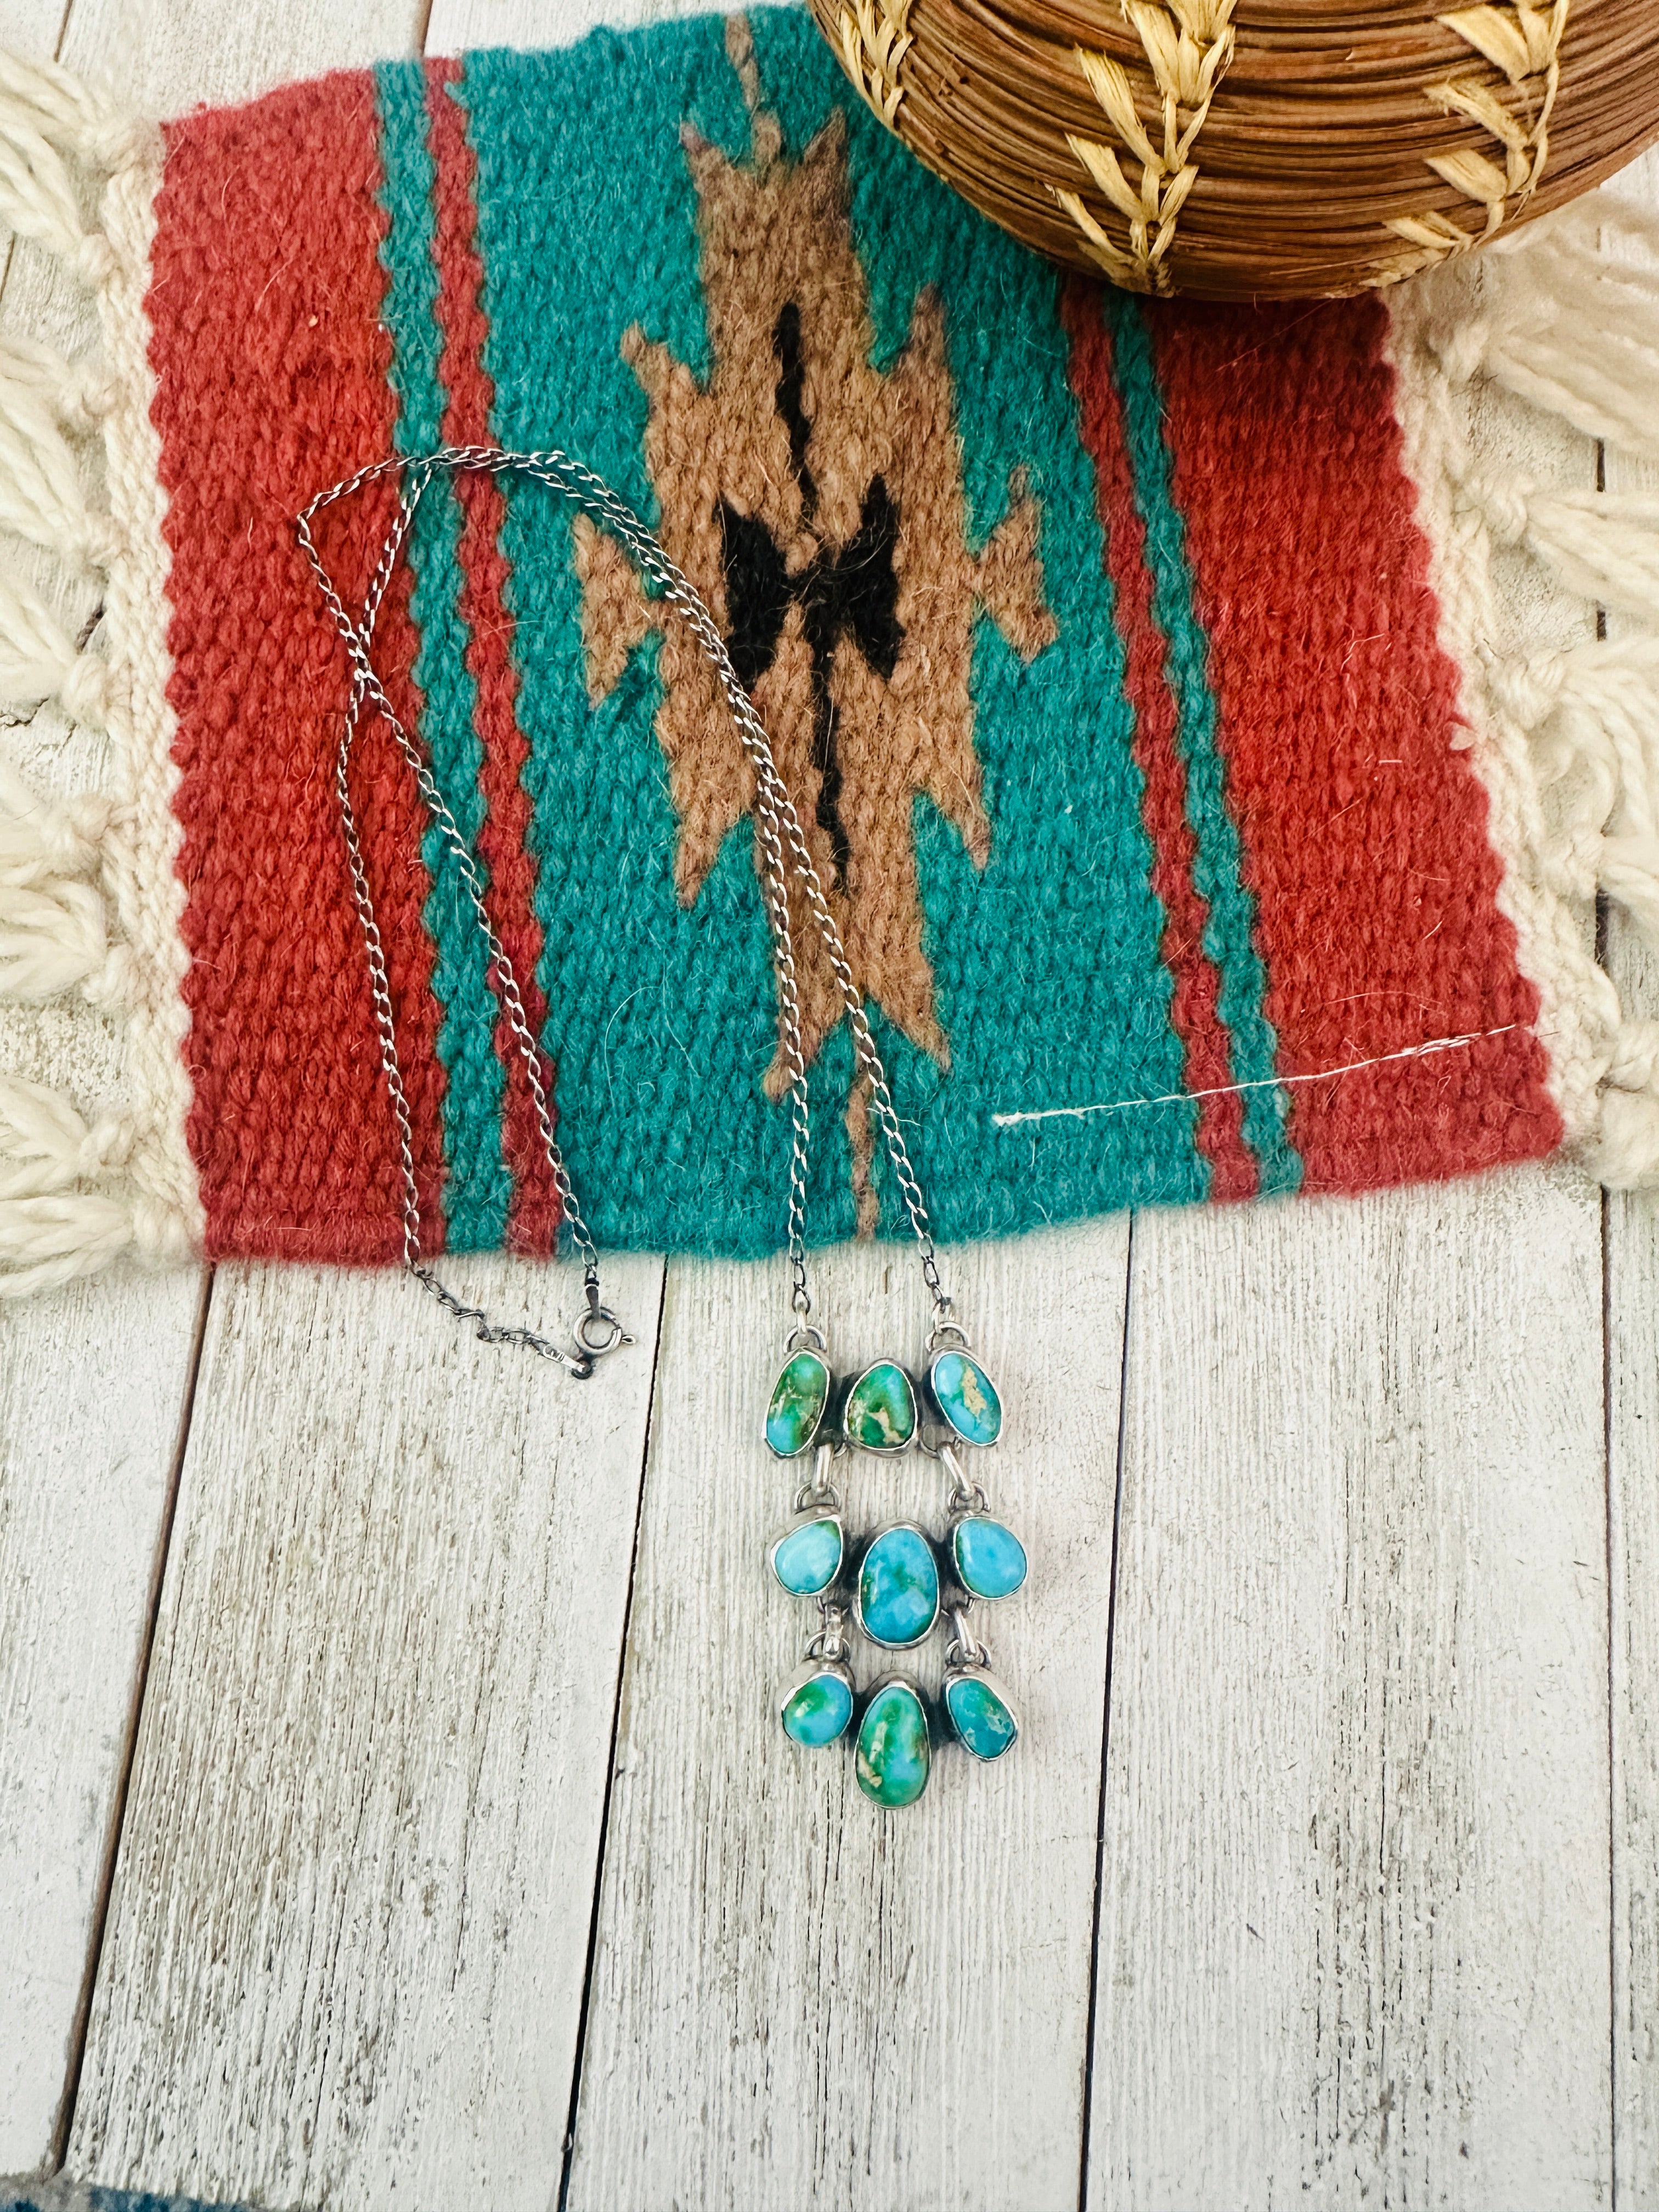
(798, 1398)
(965, 1395)
(881, 1409)
(989, 1559)
(807, 1560)
(817, 1711)
(898, 1588)
(982, 1720)
(894, 1750)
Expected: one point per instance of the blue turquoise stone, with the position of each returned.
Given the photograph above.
(895, 1750)
(880, 1413)
(965, 1395)
(898, 1588)
(817, 1711)
(980, 1717)
(798, 1398)
(989, 1559)
(807, 1560)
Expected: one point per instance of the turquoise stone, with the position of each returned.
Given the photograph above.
(989, 1559)
(806, 1558)
(898, 1588)
(798, 1398)
(816, 1710)
(894, 1752)
(965, 1395)
(881, 1409)
(981, 1716)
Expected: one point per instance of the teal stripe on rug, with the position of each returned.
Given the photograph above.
(478, 1186)
(1218, 866)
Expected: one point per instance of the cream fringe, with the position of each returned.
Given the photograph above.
(1567, 315)
(1566, 743)
(90, 900)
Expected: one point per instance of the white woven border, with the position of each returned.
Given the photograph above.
(142, 868)
(1578, 1011)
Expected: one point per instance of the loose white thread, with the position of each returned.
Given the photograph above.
(1263, 1083)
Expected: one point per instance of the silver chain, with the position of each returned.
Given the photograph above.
(783, 851)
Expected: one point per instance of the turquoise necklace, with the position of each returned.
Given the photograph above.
(892, 1585)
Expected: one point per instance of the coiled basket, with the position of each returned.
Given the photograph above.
(1258, 149)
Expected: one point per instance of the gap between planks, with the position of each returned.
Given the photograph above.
(77, 2039)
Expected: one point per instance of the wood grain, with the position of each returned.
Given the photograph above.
(459, 25)
(351, 1906)
(1353, 1927)
(1632, 1299)
(1632, 1229)
(93, 1385)
(798, 1999)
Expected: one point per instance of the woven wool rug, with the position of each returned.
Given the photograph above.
(1136, 668)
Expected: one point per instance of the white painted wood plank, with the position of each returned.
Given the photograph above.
(351, 1907)
(1354, 1928)
(798, 1999)
(1633, 1284)
(459, 25)
(92, 1388)
(1633, 1553)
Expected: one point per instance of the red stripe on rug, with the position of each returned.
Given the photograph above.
(503, 840)
(1193, 1005)
(1365, 833)
(271, 367)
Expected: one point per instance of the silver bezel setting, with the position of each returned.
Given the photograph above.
(903, 1682)
(808, 1518)
(998, 1689)
(939, 1418)
(813, 1670)
(888, 1528)
(816, 1352)
(881, 1451)
(982, 1513)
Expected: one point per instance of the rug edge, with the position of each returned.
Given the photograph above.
(1534, 721)
(90, 900)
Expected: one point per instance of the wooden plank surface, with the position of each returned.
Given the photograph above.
(92, 1386)
(1633, 1556)
(1353, 1921)
(1632, 1302)
(797, 2000)
(346, 1940)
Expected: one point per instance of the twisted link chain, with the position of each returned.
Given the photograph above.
(783, 851)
